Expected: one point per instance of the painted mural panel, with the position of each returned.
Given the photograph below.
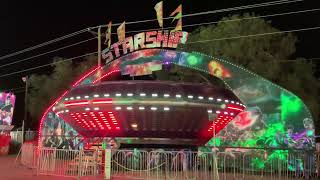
(59, 134)
(7, 101)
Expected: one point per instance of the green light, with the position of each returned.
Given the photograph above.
(278, 155)
(257, 163)
(290, 105)
(273, 129)
(129, 141)
(310, 133)
(249, 142)
(214, 141)
(104, 145)
(192, 60)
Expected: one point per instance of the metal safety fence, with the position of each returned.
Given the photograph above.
(16, 136)
(68, 163)
(231, 164)
(175, 165)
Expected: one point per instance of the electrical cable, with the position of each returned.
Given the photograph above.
(37, 67)
(202, 41)
(43, 44)
(254, 35)
(213, 11)
(250, 35)
(142, 21)
(64, 47)
(190, 25)
(229, 20)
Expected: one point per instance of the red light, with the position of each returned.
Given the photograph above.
(235, 107)
(106, 75)
(102, 101)
(76, 103)
(85, 76)
(238, 109)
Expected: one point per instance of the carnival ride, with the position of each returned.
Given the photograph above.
(159, 112)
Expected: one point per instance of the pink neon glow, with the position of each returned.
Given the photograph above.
(96, 120)
(102, 101)
(76, 103)
(234, 108)
(58, 99)
(66, 92)
(106, 75)
(114, 121)
(219, 123)
(85, 76)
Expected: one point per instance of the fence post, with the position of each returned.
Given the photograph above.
(38, 160)
(107, 164)
(215, 166)
(80, 164)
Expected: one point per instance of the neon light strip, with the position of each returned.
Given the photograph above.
(102, 102)
(85, 76)
(76, 104)
(106, 75)
(235, 108)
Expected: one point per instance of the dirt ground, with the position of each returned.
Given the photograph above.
(11, 171)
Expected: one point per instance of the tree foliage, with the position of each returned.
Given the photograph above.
(45, 88)
(268, 55)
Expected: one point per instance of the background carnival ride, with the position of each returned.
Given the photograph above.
(7, 101)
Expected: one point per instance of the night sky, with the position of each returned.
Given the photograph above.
(28, 23)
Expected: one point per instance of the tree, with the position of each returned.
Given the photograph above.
(257, 53)
(45, 88)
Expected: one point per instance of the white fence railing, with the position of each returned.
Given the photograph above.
(28, 136)
(209, 165)
(68, 163)
(176, 165)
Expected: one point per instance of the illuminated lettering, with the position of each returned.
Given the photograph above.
(177, 37)
(108, 56)
(127, 44)
(162, 38)
(139, 40)
(115, 47)
(151, 39)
